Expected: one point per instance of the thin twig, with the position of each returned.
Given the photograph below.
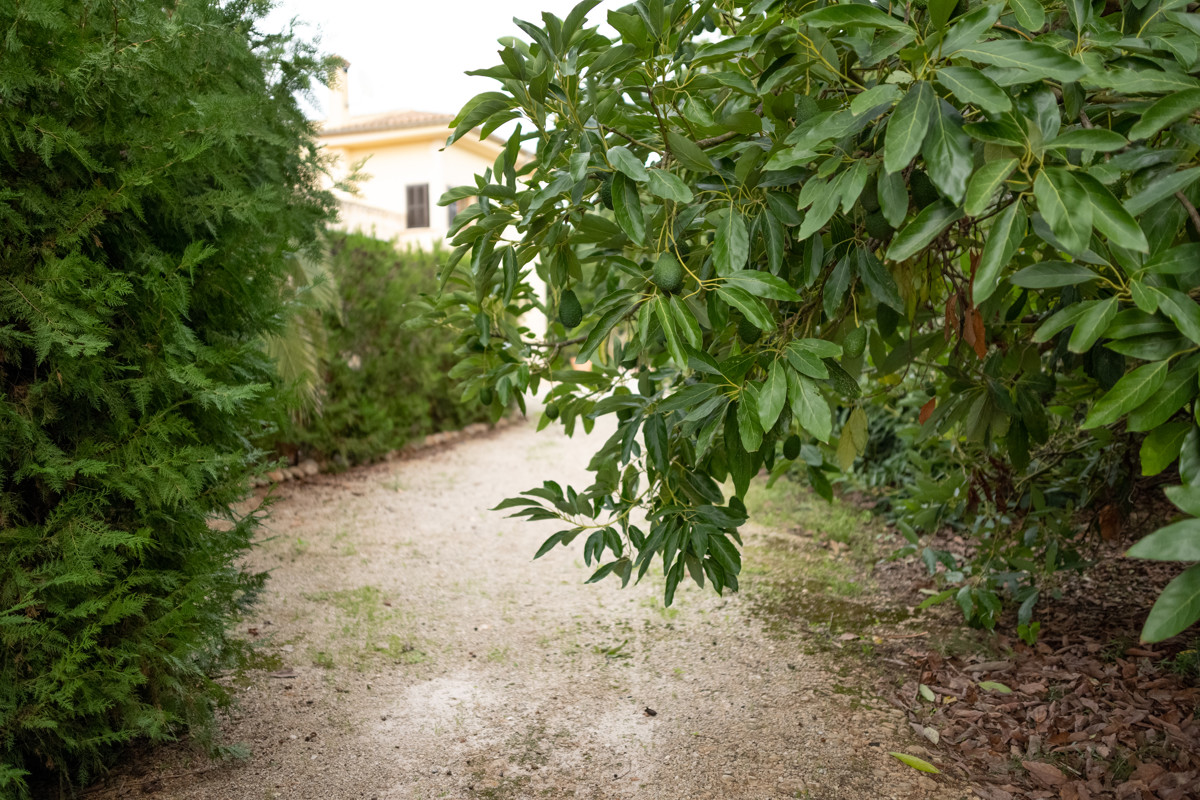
(629, 138)
(1191, 209)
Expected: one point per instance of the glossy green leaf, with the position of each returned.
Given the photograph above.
(731, 247)
(1091, 325)
(602, 329)
(1003, 239)
(1053, 274)
(749, 427)
(1160, 449)
(1032, 57)
(668, 186)
(994, 686)
(1135, 388)
(893, 197)
(662, 310)
(875, 96)
(985, 183)
(626, 162)
(773, 396)
(809, 407)
(1029, 13)
(1185, 498)
(970, 85)
(1160, 189)
(853, 15)
(1065, 205)
(1177, 542)
(1182, 310)
(923, 229)
(805, 362)
(627, 207)
(1164, 112)
(907, 126)
(763, 284)
(1110, 217)
(1179, 388)
(750, 306)
(947, 152)
(1177, 608)
(1095, 139)
(687, 152)
(918, 764)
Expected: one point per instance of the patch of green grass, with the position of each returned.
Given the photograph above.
(1186, 663)
(323, 659)
(818, 575)
(366, 619)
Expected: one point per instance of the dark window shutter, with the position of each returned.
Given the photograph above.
(417, 202)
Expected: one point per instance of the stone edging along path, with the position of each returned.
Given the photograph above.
(310, 467)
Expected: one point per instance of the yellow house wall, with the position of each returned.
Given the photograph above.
(392, 167)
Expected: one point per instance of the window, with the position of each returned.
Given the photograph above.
(417, 203)
(457, 207)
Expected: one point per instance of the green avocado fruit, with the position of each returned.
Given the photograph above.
(878, 227)
(748, 332)
(570, 313)
(806, 107)
(606, 193)
(870, 196)
(552, 411)
(668, 273)
(855, 343)
(791, 447)
(486, 395)
(922, 189)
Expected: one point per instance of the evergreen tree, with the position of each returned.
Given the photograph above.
(156, 176)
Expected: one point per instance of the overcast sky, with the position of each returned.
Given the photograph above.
(412, 55)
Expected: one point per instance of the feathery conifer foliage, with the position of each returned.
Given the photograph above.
(155, 174)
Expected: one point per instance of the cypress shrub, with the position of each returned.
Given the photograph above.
(155, 175)
(386, 379)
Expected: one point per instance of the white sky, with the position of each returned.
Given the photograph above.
(411, 54)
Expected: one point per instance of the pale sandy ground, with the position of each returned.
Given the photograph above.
(410, 648)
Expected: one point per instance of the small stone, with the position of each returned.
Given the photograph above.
(928, 784)
(309, 467)
(727, 778)
(275, 476)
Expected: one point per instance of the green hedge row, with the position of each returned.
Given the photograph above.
(385, 379)
(156, 174)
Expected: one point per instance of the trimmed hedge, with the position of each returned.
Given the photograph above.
(386, 380)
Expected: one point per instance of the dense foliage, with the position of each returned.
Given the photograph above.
(795, 213)
(384, 381)
(155, 173)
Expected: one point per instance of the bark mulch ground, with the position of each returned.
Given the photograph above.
(1085, 713)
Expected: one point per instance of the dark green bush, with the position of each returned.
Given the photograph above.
(386, 382)
(155, 171)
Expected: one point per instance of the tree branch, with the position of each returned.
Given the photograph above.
(1191, 209)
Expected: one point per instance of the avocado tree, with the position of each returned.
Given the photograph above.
(755, 219)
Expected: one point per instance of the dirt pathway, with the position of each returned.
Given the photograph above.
(409, 648)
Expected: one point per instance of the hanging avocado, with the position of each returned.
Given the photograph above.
(668, 273)
(552, 411)
(748, 332)
(570, 313)
(606, 193)
(878, 227)
(923, 190)
(855, 343)
(791, 447)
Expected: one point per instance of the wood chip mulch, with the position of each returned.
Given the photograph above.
(1090, 713)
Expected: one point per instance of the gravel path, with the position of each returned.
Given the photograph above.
(408, 647)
